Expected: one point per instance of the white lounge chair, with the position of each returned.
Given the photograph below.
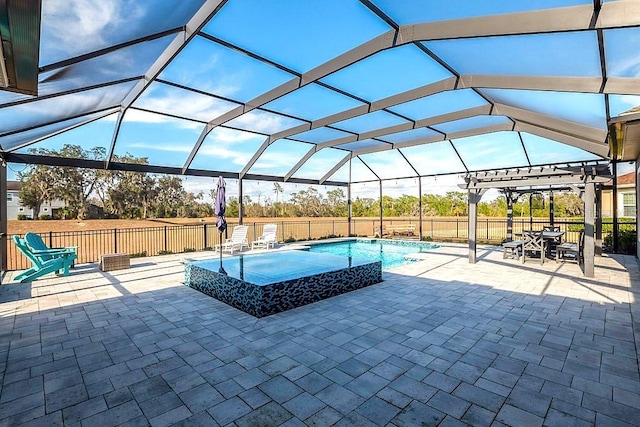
(268, 237)
(237, 240)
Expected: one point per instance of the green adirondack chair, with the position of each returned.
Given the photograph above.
(41, 266)
(36, 244)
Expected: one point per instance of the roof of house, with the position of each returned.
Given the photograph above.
(627, 179)
(13, 185)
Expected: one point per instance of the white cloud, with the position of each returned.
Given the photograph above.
(174, 148)
(137, 116)
(262, 122)
(81, 25)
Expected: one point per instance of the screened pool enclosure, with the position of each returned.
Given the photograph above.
(330, 92)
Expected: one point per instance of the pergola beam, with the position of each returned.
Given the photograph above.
(540, 181)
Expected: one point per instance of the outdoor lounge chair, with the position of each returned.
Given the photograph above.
(268, 237)
(55, 262)
(237, 240)
(36, 244)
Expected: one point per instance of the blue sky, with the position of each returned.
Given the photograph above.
(301, 36)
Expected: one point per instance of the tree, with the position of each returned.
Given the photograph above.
(170, 196)
(336, 203)
(308, 202)
(129, 194)
(74, 185)
(364, 207)
(37, 186)
(277, 188)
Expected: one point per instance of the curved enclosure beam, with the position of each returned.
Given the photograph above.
(195, 24)
(573, 18)
(377, 44)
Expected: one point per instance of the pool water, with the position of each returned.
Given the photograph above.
(279, 266)
(391, 253)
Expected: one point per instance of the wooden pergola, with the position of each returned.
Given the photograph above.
(585, 180)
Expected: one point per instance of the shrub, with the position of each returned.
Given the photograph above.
(189, 249)
(165, 252)
(626, 241)
(139, 254)
(22, 217)
(290, 239)
(44, 217)
(428, 238)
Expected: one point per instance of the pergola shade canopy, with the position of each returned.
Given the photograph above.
(343, 91)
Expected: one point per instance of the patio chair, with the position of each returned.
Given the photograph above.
(268, 237)
(40, 266)
(36, 244)
(552, 243)
(237, 240)
(572, 251)
(512, 249)
(533, 242)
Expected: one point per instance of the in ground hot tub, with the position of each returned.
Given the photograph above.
(268, 283)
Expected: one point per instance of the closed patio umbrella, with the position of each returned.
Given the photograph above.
(220, 206)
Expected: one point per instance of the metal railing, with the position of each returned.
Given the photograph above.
(187, 238)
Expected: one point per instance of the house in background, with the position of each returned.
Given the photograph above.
(15, 207)
(626, 197)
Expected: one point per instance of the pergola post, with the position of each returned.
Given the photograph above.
(531, 211)
(420, 208)
(240, 202)
(598, 250)
(474, 197)
(551, 214)
(381, 207)
(3, 219)
(589, 217)
(509, 195)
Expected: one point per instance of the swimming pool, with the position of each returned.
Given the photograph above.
(392, 253)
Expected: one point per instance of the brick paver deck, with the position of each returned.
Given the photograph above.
(440, 342)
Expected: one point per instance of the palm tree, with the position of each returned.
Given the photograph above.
(277, 188)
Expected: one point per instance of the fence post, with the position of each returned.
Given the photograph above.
(333, 227)
(282, 227)
(487, 228)
(115, 240)
(309, 231)
(457, 228)
(165, 238)
(205, 236)
(50, 239)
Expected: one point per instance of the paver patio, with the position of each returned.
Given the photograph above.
(439, 342)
